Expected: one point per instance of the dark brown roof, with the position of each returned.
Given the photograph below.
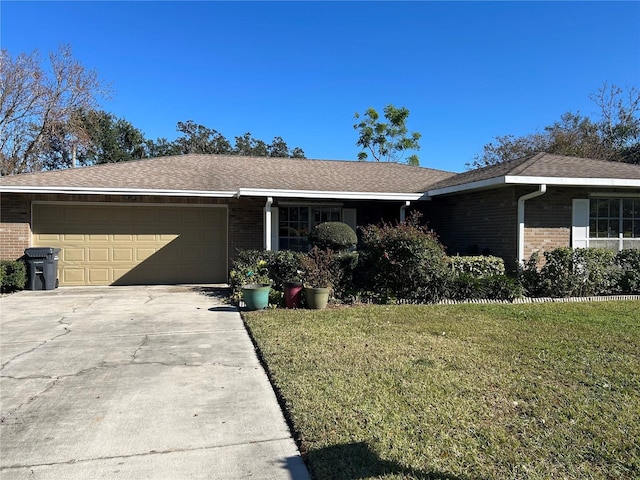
(545, 165)
(230, 173)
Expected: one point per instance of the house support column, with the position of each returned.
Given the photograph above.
(403, 210)
(542, 189)
(267, 224)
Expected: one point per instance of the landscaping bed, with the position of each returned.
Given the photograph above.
(532, 391)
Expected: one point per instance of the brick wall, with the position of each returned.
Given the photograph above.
(245, 225)
(488, 220)
(15, 229)
(476, 222)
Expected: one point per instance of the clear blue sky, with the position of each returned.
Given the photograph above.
(467, 71)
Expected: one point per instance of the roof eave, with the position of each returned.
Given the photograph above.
(116, 191)
(320, 194)
(531, 180)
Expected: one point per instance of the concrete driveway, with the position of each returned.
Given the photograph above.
(135, 382)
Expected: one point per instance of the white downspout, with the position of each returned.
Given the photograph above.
(403, 210)
(542, 189)
(267, 223)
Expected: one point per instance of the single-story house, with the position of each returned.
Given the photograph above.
(181, 219)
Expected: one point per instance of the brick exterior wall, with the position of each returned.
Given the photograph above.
(15, 227)
(475, 222)
(548, 220)
(487, 221)
(245, 225)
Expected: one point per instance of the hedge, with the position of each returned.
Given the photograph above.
(13, 275)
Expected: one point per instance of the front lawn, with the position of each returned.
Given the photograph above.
(460, 392)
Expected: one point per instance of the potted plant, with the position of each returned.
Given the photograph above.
(317, 277)
(293, 291)
(256, 285)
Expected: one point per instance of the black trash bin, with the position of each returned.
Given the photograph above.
(42, 268)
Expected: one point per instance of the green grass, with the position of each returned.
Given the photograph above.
(460, 392)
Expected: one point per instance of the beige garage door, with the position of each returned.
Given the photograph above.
(134, 245)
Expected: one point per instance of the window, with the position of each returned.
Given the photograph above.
(614, 217)
(295, 223)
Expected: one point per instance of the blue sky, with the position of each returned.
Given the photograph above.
(467, 71)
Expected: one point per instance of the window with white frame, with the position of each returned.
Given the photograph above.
(295, 223)
(614, 218)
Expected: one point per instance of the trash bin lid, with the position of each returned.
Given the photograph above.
(41, 252)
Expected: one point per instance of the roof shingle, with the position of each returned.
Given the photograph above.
(544, 165)
(230, 173)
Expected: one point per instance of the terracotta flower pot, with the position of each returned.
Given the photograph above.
(292, 294)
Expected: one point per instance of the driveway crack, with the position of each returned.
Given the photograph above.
(142, 344)
(67, 330)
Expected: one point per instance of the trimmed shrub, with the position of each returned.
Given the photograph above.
(628, 262)
(502, 287)
(465, 287)
(13, 275)
(571, 272)
(493, 287)
(477, 266)
(402, 262)
(335, 236)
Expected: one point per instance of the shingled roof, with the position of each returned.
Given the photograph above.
(224, 175)
(230, 174)
(541, 166)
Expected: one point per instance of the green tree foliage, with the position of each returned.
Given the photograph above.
(38, 107)
(386, 141)
(107, 139)
(614, 135)
(197, 138)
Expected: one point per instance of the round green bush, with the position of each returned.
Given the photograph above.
(333, 235)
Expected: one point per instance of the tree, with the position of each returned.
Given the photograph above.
(107, 139)
(248, 146)
(200, 139)
(37, 107)
(614, 135)
(386, 141)
(112, 139)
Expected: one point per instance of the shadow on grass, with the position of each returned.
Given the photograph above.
(353, 461)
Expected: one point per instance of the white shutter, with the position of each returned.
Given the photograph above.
(275, 229)
(349, 216)
(580, 223)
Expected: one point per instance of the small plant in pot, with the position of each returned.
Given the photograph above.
(317, 277)
(255, 284)
(293, 290)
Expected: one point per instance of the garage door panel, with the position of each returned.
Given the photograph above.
(99, 276)
(73, 276)
(119, 237)
(113, 244)
(123, 255)
(71, 254)
(99, 255)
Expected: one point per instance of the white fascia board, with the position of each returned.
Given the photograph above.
(260, 192)
(574, 181)
(523, 180)
(491, 182)
(117, 191)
